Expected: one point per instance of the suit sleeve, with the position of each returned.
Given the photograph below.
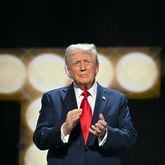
(122, 134)
(47, 133)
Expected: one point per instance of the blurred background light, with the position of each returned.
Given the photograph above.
(12, 74)
(136, 72)
(106, 71)
(46, 71)
(34, 156)
(32, 113)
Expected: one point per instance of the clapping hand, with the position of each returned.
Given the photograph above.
(99, 128)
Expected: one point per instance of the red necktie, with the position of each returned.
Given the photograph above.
(86, 115)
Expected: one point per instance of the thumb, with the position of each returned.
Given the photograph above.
(101, 117)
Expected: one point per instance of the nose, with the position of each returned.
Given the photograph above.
(82, 66)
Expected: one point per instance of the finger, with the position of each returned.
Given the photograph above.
(78, 112)
(101, 117)
(99, 126)
(96, 129)
(75, 112)
(102, 120)
(92, 131)
(103, 123)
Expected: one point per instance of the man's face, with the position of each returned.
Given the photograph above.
(82, 68)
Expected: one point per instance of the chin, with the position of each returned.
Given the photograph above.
(85, 85)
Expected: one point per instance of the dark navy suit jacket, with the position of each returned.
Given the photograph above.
(55, 105)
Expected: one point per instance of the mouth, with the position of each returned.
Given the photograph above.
(84, 75)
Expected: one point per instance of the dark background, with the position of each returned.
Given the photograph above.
(58, 23)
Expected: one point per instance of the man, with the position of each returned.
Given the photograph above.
(61, 122)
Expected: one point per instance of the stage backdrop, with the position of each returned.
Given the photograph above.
(25, 74)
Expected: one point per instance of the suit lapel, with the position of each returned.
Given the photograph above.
(69, 99)
(100, 104)
(101, 101)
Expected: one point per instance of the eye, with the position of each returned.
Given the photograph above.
(87, 61)
(76, 63)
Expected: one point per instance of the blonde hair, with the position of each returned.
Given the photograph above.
(81, 47)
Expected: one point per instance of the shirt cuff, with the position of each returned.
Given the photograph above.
(101, 141)
(64, 138)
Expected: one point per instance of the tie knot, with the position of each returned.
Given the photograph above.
(85, 93)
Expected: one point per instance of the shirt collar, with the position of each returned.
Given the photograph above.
(92, 90)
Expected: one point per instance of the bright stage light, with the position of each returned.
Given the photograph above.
(136, 72)
(106, 71)
(12, 74)
(46, 71)
(32, 113)
(34, 156)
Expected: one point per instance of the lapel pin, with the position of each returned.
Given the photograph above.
(103, 98)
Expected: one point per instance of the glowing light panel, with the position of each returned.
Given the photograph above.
(46, 72)
(12, 74)
(35, 156)
(32, 113)
(136, 72)
(106, 71)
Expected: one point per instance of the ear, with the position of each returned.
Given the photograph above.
(68, 72)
